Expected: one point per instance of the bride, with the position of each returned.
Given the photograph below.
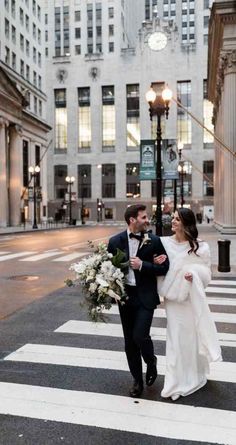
(191, 340)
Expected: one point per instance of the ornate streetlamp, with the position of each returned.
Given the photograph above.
(158, 106)
(70, 180)
(34, 171)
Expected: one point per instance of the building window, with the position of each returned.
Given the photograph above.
(108, 181)
(39, 12)
(84, 181)
(208, 139)
(27, 43)
(27, 22)
(22, 42)
(133, 122)
(90, 49)
(77, 33)
(40, 82)
(60, 185)
(61, 119)
(111, 30)
(21, 17)
(90, 33)
(205, 39)
(13, 62)
(206, 4)
(66, 30)
(34, 55)
(111, 47)
(35, 105)
(98, 31)
(13, 34)
(184, 128)
(205, 21)
(13, 8)
(208, 174)
(187, 180)
(39, 36)
(77, 49)
(28, 73)
(39, 59)
(34, 7)
(25, 163)
(46, 19)
(22, 68)
(34, 31)
(7, 55)
(7, 28)
(40, 108)
(77, 16)
(108, 117)
(98, 11)
(89, 12)
(6, 4)
(46, 36)
(84, 118)
(111, 12)
(132, 181)
(57, 31)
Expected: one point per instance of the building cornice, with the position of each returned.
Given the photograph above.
(223, 13)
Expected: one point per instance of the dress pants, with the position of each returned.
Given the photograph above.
(136, 322)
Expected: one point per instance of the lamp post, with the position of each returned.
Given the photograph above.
(158, 106)
(34, 171)
(70, 180)
(182, 172)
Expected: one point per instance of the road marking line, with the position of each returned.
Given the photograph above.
(41, 256)
(15, 255)
(219, 301)
(220, 290)
(115, 330)
(4, 252)
(174, 421)
(223, 282)
(161, 313)
(71, 256)
(85, 243)
(102, 359)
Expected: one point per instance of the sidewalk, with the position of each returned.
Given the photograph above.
(206, 232)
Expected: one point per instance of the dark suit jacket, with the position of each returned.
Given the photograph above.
(146, 281)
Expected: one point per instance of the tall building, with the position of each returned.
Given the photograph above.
(23, 127)
(102, 57)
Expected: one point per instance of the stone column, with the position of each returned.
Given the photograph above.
(3, 174)
(15, 133)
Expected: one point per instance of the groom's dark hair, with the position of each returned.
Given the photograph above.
(132, 211)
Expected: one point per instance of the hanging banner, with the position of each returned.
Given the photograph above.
(147, 160)
(170, 159)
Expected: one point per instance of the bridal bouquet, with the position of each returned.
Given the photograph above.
(101, 278)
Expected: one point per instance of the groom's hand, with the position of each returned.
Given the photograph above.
(135, 263)
(159, 259)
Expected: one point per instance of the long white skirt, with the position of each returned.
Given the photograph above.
(186, 370)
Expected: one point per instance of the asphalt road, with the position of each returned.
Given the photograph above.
(63, 381)
(24, 279)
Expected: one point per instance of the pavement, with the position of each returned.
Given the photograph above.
(207, 232)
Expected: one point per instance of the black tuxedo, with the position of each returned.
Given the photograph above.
(137, 313)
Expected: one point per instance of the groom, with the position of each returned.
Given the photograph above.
(141, 287)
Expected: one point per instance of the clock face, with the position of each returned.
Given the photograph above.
(157, 41)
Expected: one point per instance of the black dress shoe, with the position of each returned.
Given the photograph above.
(136, 389)
(151, 373)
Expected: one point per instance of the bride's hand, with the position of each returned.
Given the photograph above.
(159, 259)
(188, 276)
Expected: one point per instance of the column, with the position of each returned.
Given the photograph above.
(3, 174)
(15, 133)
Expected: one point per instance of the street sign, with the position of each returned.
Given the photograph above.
(147, 160)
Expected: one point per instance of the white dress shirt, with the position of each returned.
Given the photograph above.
(133, 248)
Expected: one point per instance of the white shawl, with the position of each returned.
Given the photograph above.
(176, 288)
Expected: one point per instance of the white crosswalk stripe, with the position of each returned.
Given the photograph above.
(108, 411)
(14, 255)
(119, 413)
(97, 358)
(160, 313)
(71, 256)
(115, 330)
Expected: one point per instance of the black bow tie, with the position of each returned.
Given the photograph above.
(138, 237)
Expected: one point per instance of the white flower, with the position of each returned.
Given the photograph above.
(112, 294)
(146, 240)
(100, 280)
(92, 287)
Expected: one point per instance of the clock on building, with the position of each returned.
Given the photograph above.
(157, 41)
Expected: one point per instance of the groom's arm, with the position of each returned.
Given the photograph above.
(156, 269)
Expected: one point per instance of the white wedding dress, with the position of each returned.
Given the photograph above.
(191, 340)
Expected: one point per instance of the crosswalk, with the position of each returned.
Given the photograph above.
(180, 421)
(29, 256)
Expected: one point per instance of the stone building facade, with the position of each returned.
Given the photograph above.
(23, 127)
(222, 92)
(99, 67)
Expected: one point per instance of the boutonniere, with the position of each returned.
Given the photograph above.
(146, 240)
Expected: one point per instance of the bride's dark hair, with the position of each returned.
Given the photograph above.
(188, 220)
